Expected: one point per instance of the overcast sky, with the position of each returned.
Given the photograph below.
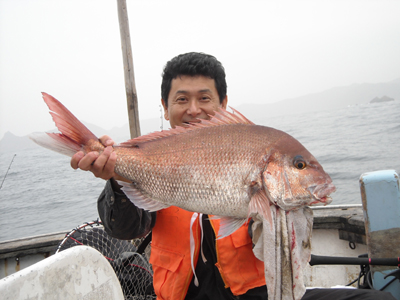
(271, 50)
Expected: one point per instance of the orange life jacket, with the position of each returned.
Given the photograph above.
(171, 259)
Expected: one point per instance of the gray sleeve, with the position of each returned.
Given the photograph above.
(120, 217)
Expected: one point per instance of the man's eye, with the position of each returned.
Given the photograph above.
(181, 99)
(205, 98)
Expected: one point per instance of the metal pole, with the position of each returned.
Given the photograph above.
(338, 260)
(131, 96)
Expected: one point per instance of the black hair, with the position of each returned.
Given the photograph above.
(194, 64)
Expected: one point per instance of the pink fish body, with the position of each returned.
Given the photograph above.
(226, 166)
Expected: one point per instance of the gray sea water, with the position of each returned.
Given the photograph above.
(42, 194)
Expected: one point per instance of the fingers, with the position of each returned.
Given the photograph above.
(106, 140)
(101, 165)
(88, 160)
(110, 165)
(76, 159)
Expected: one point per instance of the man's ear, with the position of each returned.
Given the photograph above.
(166, 117)
(224, 102)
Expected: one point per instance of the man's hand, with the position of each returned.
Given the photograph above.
(101, 165)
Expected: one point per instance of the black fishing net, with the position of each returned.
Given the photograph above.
(131, 266)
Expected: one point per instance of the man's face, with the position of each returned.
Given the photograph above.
(191, 98)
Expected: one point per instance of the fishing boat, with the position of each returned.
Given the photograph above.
(337, 231)
(351, 246)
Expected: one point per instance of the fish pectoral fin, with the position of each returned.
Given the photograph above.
(228, 225)
(260, 204)
(140, 200)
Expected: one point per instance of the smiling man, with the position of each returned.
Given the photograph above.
(193, 87)
(191, 99)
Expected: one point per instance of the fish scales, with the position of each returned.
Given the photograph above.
(211, 165)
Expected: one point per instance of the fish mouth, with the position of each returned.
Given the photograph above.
(321, 193)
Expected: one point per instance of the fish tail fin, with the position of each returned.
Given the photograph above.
(74, 135)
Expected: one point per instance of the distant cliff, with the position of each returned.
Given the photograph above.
(11, 142)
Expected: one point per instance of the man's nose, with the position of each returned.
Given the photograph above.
(194, 108)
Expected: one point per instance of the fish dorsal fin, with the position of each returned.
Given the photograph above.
(224, 117)
(221, 117)
(140, 200)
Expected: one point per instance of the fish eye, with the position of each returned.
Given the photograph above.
(299, 162)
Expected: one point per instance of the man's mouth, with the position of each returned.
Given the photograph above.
(192, 121)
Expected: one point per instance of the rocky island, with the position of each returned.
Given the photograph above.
(382, 99)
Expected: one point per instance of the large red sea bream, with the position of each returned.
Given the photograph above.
(227, 167)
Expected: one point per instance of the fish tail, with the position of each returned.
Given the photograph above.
(74, 135)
